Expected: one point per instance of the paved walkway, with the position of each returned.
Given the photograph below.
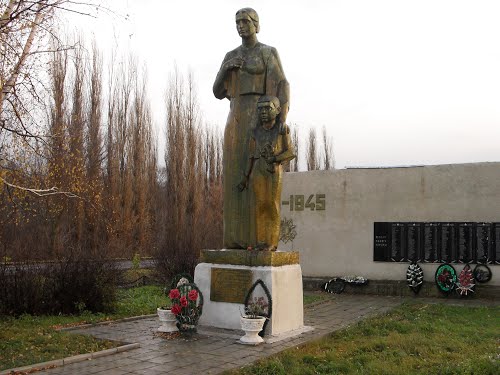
(213, 351)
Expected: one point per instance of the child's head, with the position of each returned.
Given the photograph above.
(269, 108)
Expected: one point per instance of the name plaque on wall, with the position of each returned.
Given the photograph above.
(437, 242)
(430, 242)
(230, 285)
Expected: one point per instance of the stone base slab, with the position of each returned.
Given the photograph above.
(249, 258)
(284, 284)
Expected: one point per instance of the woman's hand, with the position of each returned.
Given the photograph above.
(234, 63)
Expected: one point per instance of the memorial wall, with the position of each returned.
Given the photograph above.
(372, 221)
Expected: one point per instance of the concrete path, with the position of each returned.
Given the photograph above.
(213, 351)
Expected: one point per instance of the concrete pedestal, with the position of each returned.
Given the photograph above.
(281, 273)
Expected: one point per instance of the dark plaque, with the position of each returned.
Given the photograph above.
(381, 241)
(230, 285)
(397, 241)
(496, 247)
(447, 241)
(438, 242)
(483, 242)
(430, 242)
(464, 238)
(413, 241)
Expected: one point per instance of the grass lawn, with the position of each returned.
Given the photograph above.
(32, 339)
(412, 339)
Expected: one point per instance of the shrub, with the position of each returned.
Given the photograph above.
(67, 286)
(136, 261)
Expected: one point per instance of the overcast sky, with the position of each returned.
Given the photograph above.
(395, 82)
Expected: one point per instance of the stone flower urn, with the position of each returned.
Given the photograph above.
(167, 320)
(252, 327)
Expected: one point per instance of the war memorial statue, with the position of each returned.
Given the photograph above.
(256, 143)
(252, 200)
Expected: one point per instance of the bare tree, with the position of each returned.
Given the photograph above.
(328, 156)
(295, 141)
(26, 31)
(20, 25)
(293, 165)
(94, 152)
(25, 26)
(58, 149)
(75, 159)
(111, 193)
(122, 226)
(140, 155)
(311, 151)
(193, 181)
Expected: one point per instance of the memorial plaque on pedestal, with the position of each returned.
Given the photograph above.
(464, 238)
(483, 242)
(413, 241)
(447, 242)
(397, 242)
(229, 285)
(430, 242)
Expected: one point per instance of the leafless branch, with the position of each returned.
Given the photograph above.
(41, 192)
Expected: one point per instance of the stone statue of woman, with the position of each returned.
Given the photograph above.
(247, 73)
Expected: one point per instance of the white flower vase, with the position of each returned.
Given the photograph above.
(252, 327)
(167, 320)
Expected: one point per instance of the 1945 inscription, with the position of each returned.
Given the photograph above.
(229, 285)
(300, 202)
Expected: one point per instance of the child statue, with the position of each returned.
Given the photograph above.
(269, 146)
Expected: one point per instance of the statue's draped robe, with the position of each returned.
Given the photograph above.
(261, 74)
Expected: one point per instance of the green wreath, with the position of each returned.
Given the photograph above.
(446, 278)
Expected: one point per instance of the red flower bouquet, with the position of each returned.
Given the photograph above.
(187, 305)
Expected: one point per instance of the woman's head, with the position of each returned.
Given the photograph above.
(248, 14)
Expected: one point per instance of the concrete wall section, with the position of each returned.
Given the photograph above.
(338, 240)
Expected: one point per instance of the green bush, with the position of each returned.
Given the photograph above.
(136, 261)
